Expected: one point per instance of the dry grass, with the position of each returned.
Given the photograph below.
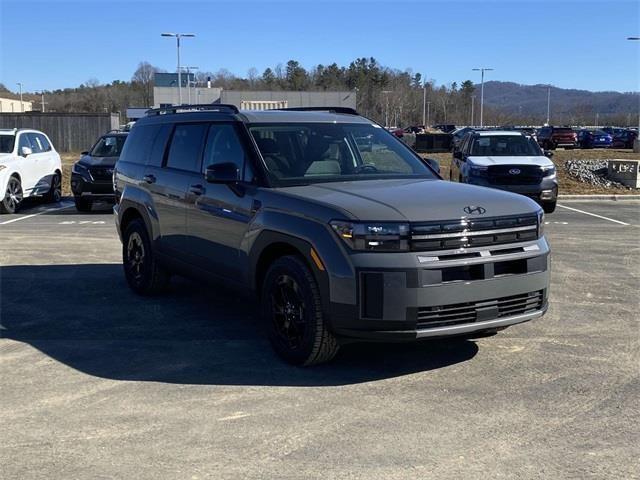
(568, 185)
(68, 159)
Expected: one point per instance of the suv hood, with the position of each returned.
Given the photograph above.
(414, 200)
(515, 160)
(90, 161)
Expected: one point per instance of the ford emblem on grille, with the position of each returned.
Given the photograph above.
(514, 171)
(474, 210)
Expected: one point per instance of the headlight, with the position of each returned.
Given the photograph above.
(540, 223)
(478, 171)
(381, 237)
(79, 169)
(548, 171)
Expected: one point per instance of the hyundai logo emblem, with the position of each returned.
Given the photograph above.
(514, 171)
(474, 210)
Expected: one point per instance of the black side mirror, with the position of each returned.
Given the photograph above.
(458, 154)
(548, 154)
(433, 163)
(226, 172)
(86, 152)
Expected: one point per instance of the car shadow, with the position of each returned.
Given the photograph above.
(86, 317)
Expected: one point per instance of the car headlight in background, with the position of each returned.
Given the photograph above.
(540, 223)
(79, 169)
(548, 171)
(381, 237)
(478, 171)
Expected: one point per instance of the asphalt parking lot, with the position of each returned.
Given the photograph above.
(99, 383)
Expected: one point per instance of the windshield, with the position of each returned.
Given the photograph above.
(108, 146)
(333, 152)
(6, 143)
(504, 146)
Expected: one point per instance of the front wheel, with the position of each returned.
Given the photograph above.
(83, 204)
(549, 207)
(292, 312)
(144, 274)
(12, 196)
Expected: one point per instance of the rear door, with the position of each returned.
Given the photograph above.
(168, 181)
(218, 214)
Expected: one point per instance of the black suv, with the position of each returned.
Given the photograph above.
(92, 175)
(341, 230)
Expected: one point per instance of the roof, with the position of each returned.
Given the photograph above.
(13, 131)
(293, 116)
(495, 133)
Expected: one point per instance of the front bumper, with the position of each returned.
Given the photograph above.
(85, 187)
(548, 185)
(422, 297)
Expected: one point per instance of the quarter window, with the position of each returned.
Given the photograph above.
(186, 147)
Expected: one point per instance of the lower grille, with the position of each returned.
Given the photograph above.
(471, 312)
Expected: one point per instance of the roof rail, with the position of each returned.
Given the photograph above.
(220, 107)
(345, 110)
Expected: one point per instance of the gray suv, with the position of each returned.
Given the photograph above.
(340, 229)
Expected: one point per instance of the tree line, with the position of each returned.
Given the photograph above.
(387, 95)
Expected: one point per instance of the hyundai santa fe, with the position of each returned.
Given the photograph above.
(340, 230)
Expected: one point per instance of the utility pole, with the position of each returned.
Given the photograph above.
(428, 114)
(482, 70)
(42, 102)
(178, 36)
(386, 111)
(548, 104)
(21, 104)
(473, 101)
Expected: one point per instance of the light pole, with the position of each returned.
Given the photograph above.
(21, 104)
(386, 113)
(548, 104)
(636, 142)
(424, 105)
(42, 102)
(473, 101)
(188, 69)
(178, 37)
(482, 70)
(428, 114)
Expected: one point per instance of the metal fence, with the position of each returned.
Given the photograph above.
(69, 132)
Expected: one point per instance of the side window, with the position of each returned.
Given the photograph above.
(36, 145)
(156, 158)
(24, 141)
(223, 145)
(138, 144)
(185, 152)
(44, 142)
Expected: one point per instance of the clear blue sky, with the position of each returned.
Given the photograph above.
(573, 44)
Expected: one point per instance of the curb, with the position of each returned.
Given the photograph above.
(613, 197)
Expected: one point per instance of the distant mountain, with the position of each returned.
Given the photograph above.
(566, 104)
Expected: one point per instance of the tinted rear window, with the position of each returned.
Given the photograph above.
(138, 145)
(185, 152)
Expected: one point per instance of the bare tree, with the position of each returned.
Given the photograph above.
(143, 81)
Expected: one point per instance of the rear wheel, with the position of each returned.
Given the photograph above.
(144, 274)
(55, 193)
(549, 207)
(12, 196)
(83, 204)
(292, 312)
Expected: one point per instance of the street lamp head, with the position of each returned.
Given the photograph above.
(187, 34)
(168, 34)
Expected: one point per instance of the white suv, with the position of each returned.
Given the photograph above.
(29, 166)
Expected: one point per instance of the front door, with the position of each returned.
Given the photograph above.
(29, 173)
(218, 214)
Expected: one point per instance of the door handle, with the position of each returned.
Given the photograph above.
(149, 178)
(196, 189)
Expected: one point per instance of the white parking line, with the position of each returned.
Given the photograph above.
(35, 214)
(594, 215)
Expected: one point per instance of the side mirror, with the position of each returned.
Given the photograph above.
(548, 154)
(226, 172)
(433, 163)
(458, 154)
(26, 151)
(86, 152)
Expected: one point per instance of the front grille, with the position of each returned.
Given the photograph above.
(514, 174)
(101, 174)
(466, 233)
(471, 312)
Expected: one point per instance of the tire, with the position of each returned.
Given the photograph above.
(141, 269)
(292, 314)
(54, 195)
(549, 207)
(13, 196)
(83, 204)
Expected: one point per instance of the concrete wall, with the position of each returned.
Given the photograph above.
(292, 99)
(69, 132)
(13, 106)
(169, 95)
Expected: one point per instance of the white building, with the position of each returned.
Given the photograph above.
(8, 105)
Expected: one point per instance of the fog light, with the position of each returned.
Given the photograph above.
(547, 195)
